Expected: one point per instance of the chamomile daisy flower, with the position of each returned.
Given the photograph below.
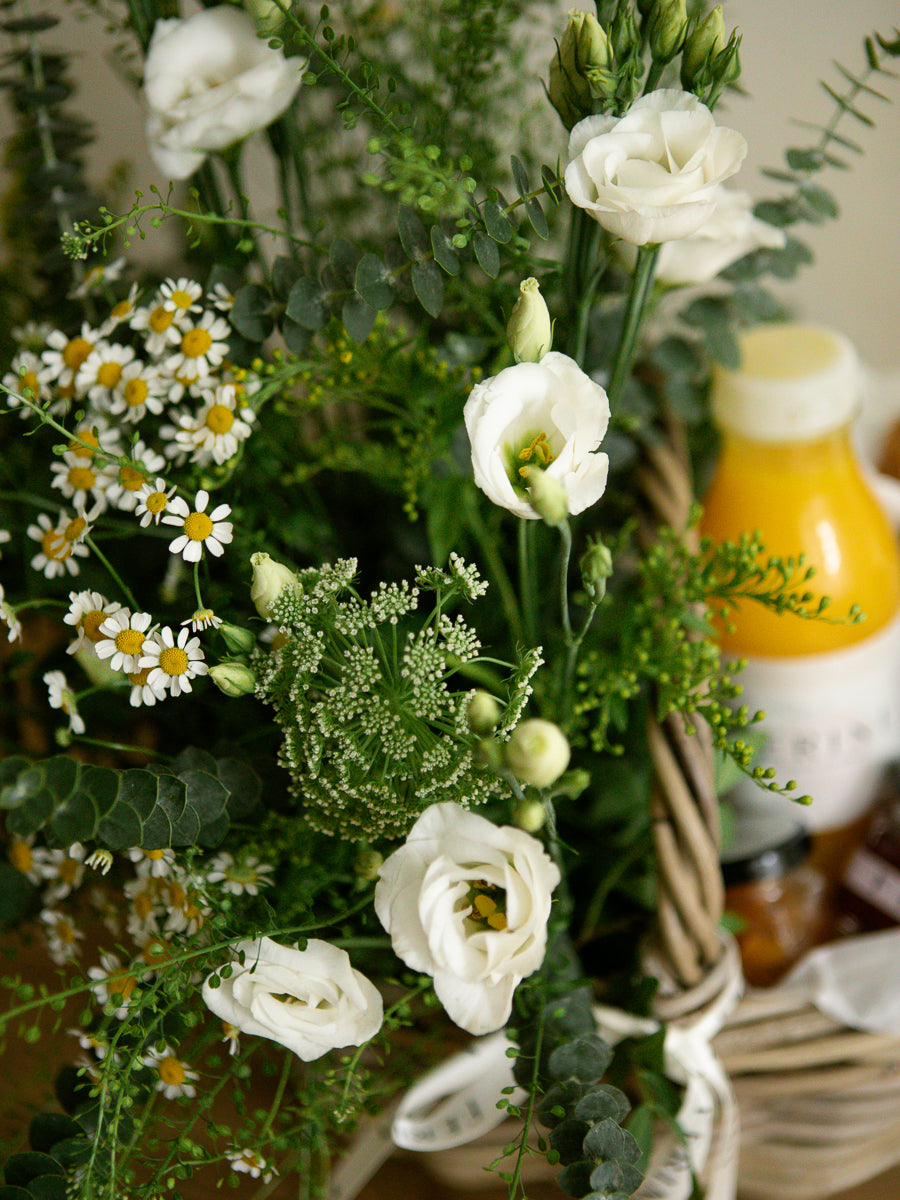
(61, 696)
(62, 936)
(120, 312)
(180, 295)
(141, 389)
(145, 895)
(61, 870)
(157, 863)
(9, 619)
(90, 1042)
(113, 984)
(250, 1163)
(57, 555)
(154, 322)
(220, 296)
(173, 1077)
(218, 428)
(90, 438)
(132, 478)
(123, 639)
(231, 1036)
(21, 857)
(98, 276)
(203, 618)
(100, 374)
(240, 878)
(199, 529)
(173, 663)
(75, 529)
(64, 356)
(79, 478)
(153, 501)
(185, 910)
(200, 346)
(100, 860)
(23, 379)
(87, 612)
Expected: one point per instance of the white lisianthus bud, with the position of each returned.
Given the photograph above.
(529, 332)
(547, 495)
(269, 578)
(537, 752)
(530, 815)
(233, 678)
(482, 712)
(238, 639)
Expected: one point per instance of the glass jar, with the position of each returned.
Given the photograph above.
(779, 899)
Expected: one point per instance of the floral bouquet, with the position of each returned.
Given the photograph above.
(351, 565)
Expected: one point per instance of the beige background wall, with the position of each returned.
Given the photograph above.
(855, 284)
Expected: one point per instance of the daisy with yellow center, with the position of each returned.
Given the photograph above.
(123, 311)
(203, 618)
(173, 663)
(240, 878)
(113, 985)
(186, 910)
(154, 321)
(61, 870)
(141, 693)
(157, 863)
(146, 896)
(153, 500)
(80, 479)
(199, 529)
(65, 356)
(21, 858)
(123, 638)
(62, 936)
(201, 346)
(180, 295)
(218, 429)
(251, 1163)
(61, 696)
(174, 1077)
(97, 277)
(57, 554)
(132, 477)
(100, 375)
(141, 389)
(9, 619)
(87, 612)
(24, 379)
(221, 297)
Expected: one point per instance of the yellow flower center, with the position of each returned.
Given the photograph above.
(64, 931)
(121, 987)
(109, 374)
(539, 449)
(75, 528)
(120, 310)
(486, 909)
(76, 352)
(171, 1070)
(173, 660)
(219, 419)
(85, 435)
(155, 502)
(20, 855)
(131, 479)
(198, 526)
(29, 383)
(82, 479)
(160, 319)
(142, 903)
(181, 299)
(154, 855)
(139, 678)
(129, 641)
(90, 624)
(68, 870)
(54, 545)
(135, 392)
(195, 343)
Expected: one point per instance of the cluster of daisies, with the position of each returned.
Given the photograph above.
(156, 389)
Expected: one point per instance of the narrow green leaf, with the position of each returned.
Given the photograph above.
(552, 183)
(428, 284)
(520, 176)
(413, 235)
(442, 248)
(487, 253)
(859, 84)
(373, 283)
(538, 218)
(845, 105)
(35, 24)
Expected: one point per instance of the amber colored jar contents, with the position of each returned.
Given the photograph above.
(779, 899)
(868, 897)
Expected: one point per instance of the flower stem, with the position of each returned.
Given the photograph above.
(496, 566)
(634, 314)
(115, 574)
(527, 590)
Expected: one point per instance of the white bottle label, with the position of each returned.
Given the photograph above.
(832, 724)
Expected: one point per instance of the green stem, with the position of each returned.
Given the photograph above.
(279, 1094)
(199, 598)
(565, 533)
(515, 1182)
(634, 314)
(527, 580)
(496, 567)
(115, 574)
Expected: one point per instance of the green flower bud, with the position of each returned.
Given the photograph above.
(530, 815)
(705, 41)
(572, 783)
(668, 27)
(482, 712)
(583, 46)
(489, 754)
(529, 332)
(596, 567)
(368, 863)
(547, 496)
(537, 752)
(238, 639)
(269, 578)
(233, 678)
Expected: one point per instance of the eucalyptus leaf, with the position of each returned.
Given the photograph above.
(296, 337)
(373, 282)
(442, 248)
(496, 222)
(306, 305)
(358, 318)
(520, 177)
(487, 253)
(537, 217)
(344, 257)
(413, 234)
(251, 313)
(608, 1140)
(428, 285)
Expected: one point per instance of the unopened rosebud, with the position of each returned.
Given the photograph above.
(270, 578)
(668, 27)
(368, 863)
(703, 44)
(530, 815)
(233, 678)
(529, 331)
(583, 47)
(537, 752)
(238, 639)
(482, 712)
(596, 567)
(546, 495)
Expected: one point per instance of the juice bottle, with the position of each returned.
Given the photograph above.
(830, 690)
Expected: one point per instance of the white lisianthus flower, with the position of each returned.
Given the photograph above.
(467, 902)
(547, 414)
(209, 81)
(310, 1001)
(731, 232)
(652, 174)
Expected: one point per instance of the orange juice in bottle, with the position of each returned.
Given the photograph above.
(830, 691)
